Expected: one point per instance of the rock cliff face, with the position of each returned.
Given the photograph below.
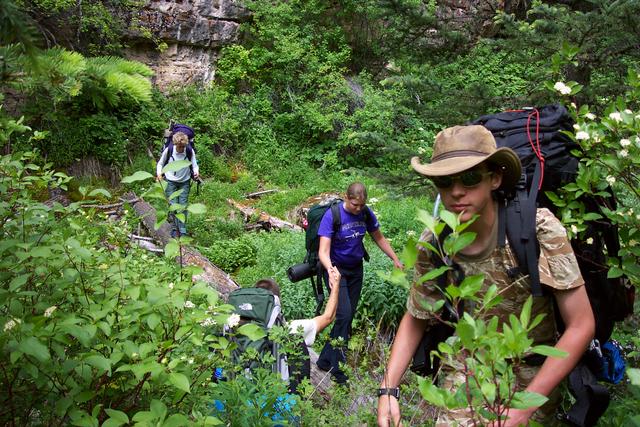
(194, 32)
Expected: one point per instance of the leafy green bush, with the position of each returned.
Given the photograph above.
(95, 331)
(230, 255)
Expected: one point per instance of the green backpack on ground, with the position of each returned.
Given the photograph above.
(262, 308)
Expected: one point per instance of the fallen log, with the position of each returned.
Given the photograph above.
(260, 193)
(212, 275)
(263, 217)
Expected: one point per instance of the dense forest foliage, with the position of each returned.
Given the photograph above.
(315, 95)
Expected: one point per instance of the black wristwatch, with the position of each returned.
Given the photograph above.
(395, 392)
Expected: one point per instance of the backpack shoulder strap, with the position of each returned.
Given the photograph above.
(189, 152)
(335, 213)
(169, 154)
(520, 224)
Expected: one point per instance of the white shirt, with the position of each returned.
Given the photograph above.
(181, 175)
(309, 330)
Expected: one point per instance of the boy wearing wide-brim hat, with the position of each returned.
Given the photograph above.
(468, 170)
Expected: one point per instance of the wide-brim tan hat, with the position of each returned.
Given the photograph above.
(459, 148)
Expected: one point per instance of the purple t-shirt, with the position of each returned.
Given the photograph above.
(347, 249)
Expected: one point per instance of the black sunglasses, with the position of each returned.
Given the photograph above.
(469, 178)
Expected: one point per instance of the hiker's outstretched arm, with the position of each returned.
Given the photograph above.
(194, 166)
(324, 252)
(385, 246)
(404, 346)
(160, 164)
(577, 316)
(329, 313)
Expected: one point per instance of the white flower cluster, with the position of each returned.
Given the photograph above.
(11, 323)
(189, 304)
(49, 311)
(582, 135)
(233, 320)
(616, 116)
(611, 179)
(562, 88)
(208, 322)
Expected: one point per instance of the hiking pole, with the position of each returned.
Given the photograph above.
(198, 183)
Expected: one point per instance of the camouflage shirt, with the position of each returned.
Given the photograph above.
(558, 270)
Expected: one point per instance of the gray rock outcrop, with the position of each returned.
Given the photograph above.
(192, 31)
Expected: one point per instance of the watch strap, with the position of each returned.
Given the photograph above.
(395, 392)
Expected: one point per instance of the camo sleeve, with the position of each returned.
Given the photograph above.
(558, 265)
(425, 292)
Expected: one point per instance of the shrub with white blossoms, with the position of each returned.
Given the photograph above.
(562, 88)
(610, 162)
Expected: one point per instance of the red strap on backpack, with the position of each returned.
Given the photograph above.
(536, 146)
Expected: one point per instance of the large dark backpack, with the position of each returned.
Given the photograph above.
(168, 140)
(262, 308)
(549, 162)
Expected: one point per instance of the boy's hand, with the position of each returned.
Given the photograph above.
(334, 277)
(159, 178)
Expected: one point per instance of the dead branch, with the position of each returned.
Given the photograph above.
(260, 193)
(263, 217)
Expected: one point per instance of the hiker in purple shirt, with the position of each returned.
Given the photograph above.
(345, 250)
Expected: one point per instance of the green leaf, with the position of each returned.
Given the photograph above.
(546, 350)
(118, 417)
(428, 220)
(431, 393)
(33, 347)
(526, 399)
(138, 176)
(489, 391)
(99, 362)
(450, 219)
(455, 243)
(212, 421)
(471, 285)
(101, 191)
(465, 332)
(614, 273)
(197, 208)
(176, 420)
(158, 409)
(432, 274)
(176, 166)
(253, 331)
(634, 376)
(180, 381)
(172, 249)
(525, 314)
(409, 254)
(153, 320)
(18, 281)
